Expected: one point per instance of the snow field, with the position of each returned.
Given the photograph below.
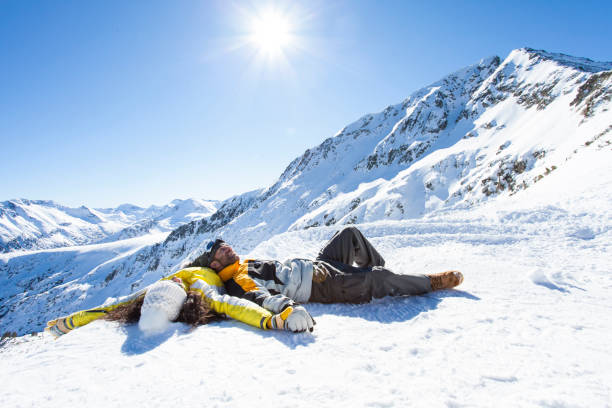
(529, 327)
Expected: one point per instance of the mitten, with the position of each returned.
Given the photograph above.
(57, 327)
(299, 320)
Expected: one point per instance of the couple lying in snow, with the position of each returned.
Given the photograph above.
(264, 294)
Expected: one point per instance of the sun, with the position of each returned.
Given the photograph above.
(271, 32)
(272, 37)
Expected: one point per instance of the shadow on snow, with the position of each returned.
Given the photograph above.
(137, 343)
(386, 310)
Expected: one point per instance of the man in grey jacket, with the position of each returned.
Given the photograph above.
(348, 269)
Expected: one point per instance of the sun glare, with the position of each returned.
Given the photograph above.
(271, 37)
(271, 32)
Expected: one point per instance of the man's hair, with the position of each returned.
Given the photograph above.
(195, 311)
(204, 260)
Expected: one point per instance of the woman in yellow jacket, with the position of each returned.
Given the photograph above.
(205, 294)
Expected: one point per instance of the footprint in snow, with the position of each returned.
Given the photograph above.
(540, 277)
(584, 233)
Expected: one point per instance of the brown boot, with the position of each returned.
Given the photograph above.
(445, 280)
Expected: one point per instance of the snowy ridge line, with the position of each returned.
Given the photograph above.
(521, 224)
(584, 64)
(37, 224)
(111, 245)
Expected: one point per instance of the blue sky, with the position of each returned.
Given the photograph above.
(109, 102)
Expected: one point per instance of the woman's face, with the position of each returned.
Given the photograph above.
(179, 282)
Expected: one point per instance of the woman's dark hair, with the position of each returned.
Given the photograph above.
(127, 313)
(195, 311)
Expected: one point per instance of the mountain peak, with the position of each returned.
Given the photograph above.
(129, 207)
(580, 63)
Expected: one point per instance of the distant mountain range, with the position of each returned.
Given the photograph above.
(37, 224)
(485, 132)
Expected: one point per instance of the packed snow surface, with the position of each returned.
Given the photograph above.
(530, 326)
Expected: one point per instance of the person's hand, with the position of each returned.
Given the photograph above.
(299, 320)
(277, 321)
(57, 328)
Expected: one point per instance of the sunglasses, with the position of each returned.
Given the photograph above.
(212, 247)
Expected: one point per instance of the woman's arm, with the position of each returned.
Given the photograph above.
(65, 324)
(238, 308)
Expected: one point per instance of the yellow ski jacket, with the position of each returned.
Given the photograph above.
(202, 280)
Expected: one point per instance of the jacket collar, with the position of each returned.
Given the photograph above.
(229, 271)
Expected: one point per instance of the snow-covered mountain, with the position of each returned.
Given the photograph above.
(36, 224)
(490, 132)
(494, 128)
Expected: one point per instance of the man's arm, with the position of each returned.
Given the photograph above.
(298, 320)
(244, 286)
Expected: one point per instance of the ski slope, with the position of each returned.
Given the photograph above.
(530, 326)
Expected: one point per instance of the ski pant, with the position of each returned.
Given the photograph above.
(336, 280)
